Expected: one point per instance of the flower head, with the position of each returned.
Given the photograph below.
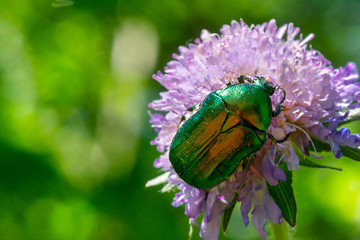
(316, 94)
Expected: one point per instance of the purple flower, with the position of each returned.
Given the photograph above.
(316, 94)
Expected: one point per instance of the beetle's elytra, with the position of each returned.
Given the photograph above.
(228, 126)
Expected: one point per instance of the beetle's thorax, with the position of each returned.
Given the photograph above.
(250, 102)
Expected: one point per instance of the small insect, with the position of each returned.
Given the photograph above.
(226, 128)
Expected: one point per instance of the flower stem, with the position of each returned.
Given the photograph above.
(279, 231)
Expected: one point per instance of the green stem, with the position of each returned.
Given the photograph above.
(280, 231)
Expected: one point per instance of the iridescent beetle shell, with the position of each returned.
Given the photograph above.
(228, 126)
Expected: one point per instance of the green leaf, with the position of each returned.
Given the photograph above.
(283, 195)
(228, 213)
(320, 145)
(352, 153)
(305, 161)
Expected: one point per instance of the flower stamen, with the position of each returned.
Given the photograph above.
(307, 136)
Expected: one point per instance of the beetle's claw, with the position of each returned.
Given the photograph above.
(278, 110)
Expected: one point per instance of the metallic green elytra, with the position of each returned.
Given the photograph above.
(228, 126)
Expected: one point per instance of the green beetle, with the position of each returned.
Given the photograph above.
(227, 127)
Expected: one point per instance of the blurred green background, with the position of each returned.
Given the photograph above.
(75, 81)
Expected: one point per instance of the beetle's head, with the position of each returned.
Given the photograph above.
(266, 84)
(269, 88)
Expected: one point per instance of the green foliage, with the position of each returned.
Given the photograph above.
(283, 195)
(305, 161)
(352, 153)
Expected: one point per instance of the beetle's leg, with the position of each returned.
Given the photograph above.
(279, 106)
(242, 79)
(189, 112)
(183, 118)
(275, 140)
(190, 109)
(278, 110)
